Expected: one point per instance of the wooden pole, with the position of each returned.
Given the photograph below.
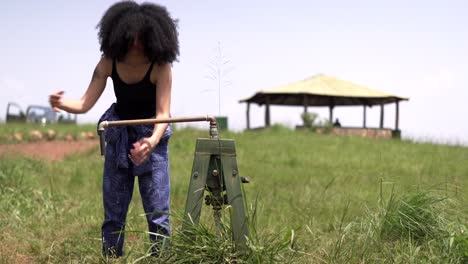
(267, 113)
(248, 115)
(397, 115)
(331, 106)
(305, 104)
(381, 116)
(364, 117)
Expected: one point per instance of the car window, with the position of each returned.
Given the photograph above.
(14, 110)
(38, 113)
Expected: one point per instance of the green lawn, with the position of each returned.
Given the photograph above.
(317, 199)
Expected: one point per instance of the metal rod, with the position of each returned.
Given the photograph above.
(105, 124)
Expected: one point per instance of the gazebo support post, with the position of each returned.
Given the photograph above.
(381, 115)
(267, 113)
(248, 115)
(305, 104)
(331, 114)
(397, 115)
(364, 117)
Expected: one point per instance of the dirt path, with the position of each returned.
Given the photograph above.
(48, 150)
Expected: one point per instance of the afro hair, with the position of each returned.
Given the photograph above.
(151, 23)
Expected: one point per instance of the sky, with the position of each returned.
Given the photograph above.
(417, 49)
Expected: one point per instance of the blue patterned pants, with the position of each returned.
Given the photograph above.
(118, 186)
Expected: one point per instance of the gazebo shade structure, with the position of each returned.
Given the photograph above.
(323, 90)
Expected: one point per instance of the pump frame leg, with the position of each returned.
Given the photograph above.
(235, 198)
(196, 190)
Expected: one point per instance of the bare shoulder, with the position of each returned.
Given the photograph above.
(104, 67)
(161, 72)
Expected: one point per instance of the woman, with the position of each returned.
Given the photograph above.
(139, 42)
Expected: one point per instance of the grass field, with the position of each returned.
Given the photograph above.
(316, 199)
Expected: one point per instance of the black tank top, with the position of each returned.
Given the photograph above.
(136, 100)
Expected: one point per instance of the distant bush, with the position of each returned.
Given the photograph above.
(311, 121)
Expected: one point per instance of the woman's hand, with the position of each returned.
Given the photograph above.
(96, 87)
(55, 100)
(141, 150)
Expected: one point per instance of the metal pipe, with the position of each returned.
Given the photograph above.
(102, 140)
(105, 124)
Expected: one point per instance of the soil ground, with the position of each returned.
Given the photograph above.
(48, 150)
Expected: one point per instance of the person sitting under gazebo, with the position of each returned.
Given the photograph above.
(337, 123)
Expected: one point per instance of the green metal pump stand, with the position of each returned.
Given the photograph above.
(214, 170)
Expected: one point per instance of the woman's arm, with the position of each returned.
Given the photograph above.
(163, 100)
(163, 79)
(96, 87)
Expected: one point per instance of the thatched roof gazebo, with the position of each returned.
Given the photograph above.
(323, 90)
